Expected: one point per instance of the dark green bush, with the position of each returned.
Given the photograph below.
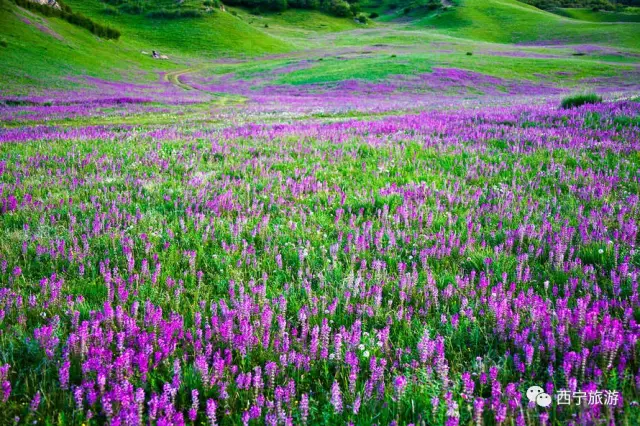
(339, 8)
(108, 10)
(3, 43)
(278, 5)
(132, 9)
(575, 101)
(373, 15)
(434, 4)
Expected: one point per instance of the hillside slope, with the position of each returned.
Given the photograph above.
(37, 51)
(41, 52)
(629, 15)
(213, 35)
(510, 21)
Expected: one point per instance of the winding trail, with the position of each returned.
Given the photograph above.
(220, 99)
(173, 77)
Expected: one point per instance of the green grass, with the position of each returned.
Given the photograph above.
(509, 21)
(296, 20)
(45, 55)
(389, 10)
(631, 14)
(146, 6)
(363, 68)
(349, 50)
(214, 35)
(74, 51)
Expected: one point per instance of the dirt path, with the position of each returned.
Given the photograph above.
(173, 77)
(219, 99)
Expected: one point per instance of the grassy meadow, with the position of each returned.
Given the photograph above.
(302, 219)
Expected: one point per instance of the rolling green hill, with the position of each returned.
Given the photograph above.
(36, 51)
(39, 51)
(509, 21)
(631, 14)
(215, 34)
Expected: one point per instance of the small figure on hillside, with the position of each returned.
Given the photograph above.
(155, 54)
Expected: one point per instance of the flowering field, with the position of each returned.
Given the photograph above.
(386, 226)
(421, 268)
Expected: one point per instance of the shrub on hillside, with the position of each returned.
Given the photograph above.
(132, 9)
(339, 8)
(434, 4)
(278, 5)
(109, 10)
(373, 15)
(575, 101)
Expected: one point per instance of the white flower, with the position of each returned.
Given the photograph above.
(361, 347)
(332, 356)
(379, 343)
(365, 354)
(600, 251)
